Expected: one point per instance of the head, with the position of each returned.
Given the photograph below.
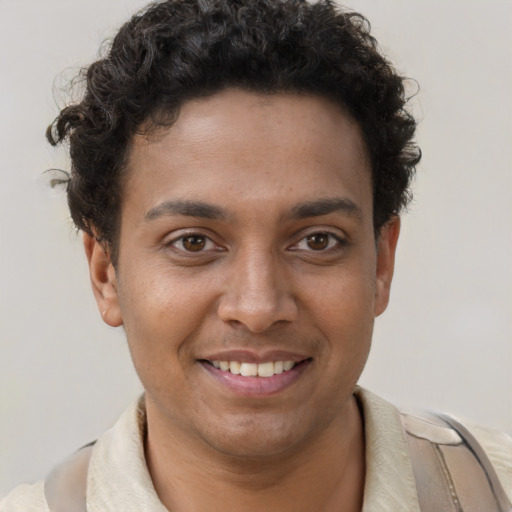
(238, 168)
(178, 50)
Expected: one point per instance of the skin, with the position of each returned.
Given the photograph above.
(283, 257)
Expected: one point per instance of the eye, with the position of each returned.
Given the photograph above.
(318, 241)
(193, 242)
(321, 241)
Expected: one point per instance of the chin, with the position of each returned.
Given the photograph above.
(255, 436)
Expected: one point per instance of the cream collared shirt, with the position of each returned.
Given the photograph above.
(119, 480)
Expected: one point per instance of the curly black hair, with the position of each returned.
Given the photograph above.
(176, 50)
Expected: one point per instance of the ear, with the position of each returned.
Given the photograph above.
(103, 280)
(386, 247)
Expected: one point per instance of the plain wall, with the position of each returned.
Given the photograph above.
(445, 341)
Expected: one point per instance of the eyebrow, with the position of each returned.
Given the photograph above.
(187, 208)
(203, 210)
(324, 207)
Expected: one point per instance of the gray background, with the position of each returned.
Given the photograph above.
(445, 341)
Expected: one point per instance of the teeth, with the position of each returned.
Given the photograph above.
(234, 367)
(249, 369)
(265, 370)
(253, 369)
(278, 367)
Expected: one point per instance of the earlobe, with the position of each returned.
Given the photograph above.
(386, 248)
(103, 280)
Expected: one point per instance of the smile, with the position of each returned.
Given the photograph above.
(256, 379)
(267, 369)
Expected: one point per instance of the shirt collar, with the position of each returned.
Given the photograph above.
(119, 479)
(389, 481)
(118, 476)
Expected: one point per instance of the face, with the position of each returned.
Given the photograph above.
(248, 275)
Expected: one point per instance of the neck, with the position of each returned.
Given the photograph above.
(325, 474)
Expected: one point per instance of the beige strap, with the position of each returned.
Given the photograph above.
(65, 488)
(452, 472)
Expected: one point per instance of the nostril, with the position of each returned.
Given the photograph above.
(257, 312)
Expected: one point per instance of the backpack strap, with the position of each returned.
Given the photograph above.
(451, 470)
(65, 487)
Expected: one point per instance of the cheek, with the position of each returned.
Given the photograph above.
(160, 314)
(347, 296)
(345, 314)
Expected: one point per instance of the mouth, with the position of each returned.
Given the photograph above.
(265, 370)
(256, 379)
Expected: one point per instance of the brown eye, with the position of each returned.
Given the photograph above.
(324, 243)
(318, 241)
(194, 243)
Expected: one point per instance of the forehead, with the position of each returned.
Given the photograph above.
(242, 148)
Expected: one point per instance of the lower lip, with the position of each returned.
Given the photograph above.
(257, 386)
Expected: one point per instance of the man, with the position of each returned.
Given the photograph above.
(238, 170)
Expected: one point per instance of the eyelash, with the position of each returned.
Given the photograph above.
(334, 242)
(188, 236)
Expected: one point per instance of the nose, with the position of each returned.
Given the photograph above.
(257, 294)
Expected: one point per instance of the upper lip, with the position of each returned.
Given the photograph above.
(252, 356)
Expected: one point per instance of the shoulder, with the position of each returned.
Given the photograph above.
(117, 458)
(25, 498)
(472, 454)
(389, 431)
(498, 447)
